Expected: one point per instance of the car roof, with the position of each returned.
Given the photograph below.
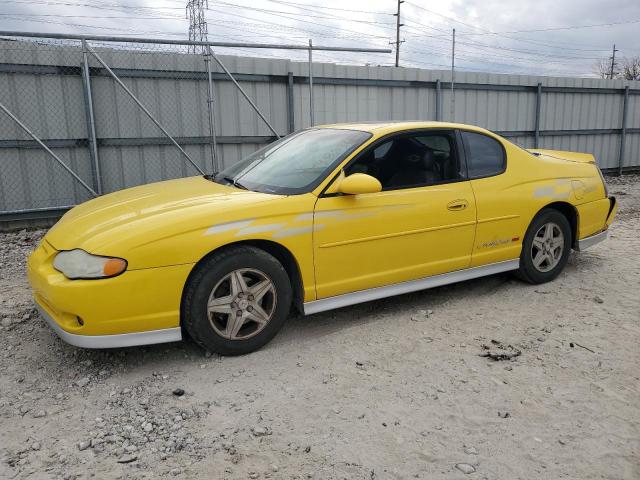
(390, 127)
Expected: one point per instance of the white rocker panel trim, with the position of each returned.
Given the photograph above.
(361, 296)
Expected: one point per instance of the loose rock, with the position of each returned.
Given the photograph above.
(127, 459)
(83, 445)
(499, 351)
(465, 468)
(260, 431)
(83, 382)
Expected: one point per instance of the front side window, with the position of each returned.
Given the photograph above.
(485, 155)
(410, 160)
(294, 164)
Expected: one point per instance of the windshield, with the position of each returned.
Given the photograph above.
(294, 164)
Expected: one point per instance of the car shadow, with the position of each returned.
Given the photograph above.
(328, 323)
(297, 330)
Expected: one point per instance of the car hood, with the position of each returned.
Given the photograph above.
(119, 222)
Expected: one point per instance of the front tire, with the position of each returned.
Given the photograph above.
(236, 301)
(546, 247)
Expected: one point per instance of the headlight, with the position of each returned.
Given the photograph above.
(77, 263)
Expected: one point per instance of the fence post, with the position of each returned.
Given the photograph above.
(143, 108)
(212, 116)
(90, 118)
(48, 150)
(537, 119)
(290, 108)
(438, 100)
(623, 132)
(311, 116)
(244, 94)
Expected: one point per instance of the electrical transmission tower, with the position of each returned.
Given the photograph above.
(197, 22)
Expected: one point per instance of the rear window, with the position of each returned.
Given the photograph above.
(485, 155)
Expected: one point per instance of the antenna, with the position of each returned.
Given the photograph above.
(453, 74)
(197, 22)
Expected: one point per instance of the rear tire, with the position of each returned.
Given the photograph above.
(546, 247)
(236, 301)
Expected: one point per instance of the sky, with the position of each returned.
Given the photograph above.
(542, 37)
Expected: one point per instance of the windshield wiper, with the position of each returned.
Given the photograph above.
(234, 182)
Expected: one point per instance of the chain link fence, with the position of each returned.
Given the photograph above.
(30, 179)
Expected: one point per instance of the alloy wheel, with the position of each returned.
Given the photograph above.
(547, 247)
(241, 304)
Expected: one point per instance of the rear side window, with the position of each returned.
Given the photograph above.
(485, 155)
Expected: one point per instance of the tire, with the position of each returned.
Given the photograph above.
(240, 280)
(546, 247)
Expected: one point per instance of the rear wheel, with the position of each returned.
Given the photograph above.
(546, 247)
(236, 301)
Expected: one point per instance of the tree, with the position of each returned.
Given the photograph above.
(627, 69)
(630, 68)
(602, 68)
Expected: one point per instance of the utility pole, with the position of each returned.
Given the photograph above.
(453, 73)
(398, 42)
(613, 62)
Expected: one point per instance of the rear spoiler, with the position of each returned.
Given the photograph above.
(564, 155)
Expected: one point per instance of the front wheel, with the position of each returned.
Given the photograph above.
(236, 301)
(546, 247)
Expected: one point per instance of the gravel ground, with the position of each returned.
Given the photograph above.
(389, 389)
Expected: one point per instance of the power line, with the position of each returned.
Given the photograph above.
(303, 21)
(305, 7)
(570, 27)
(86, 16)
(487, 31)
(269, 11)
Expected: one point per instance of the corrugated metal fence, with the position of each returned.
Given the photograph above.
(41, 82)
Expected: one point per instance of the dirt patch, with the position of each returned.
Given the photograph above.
(389, 389)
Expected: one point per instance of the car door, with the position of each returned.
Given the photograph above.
(422, 223)
(501, 225)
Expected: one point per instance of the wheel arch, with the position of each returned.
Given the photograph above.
(571, 214)
(275, 249)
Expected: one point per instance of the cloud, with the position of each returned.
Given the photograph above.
(492, 35)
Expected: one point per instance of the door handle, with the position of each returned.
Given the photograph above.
(457, 205)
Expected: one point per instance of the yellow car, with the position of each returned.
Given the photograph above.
(323, 218)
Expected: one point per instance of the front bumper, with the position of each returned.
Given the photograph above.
(139, 307)
(112, 341)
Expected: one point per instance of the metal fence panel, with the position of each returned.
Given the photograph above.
(633, 115)
(40, 81)
(603, 147)
(631, 150)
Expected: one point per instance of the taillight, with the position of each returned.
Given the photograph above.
(604, 184)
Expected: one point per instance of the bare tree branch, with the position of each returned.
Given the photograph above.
(630, 68)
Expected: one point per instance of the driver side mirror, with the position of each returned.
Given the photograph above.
(358, 183)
